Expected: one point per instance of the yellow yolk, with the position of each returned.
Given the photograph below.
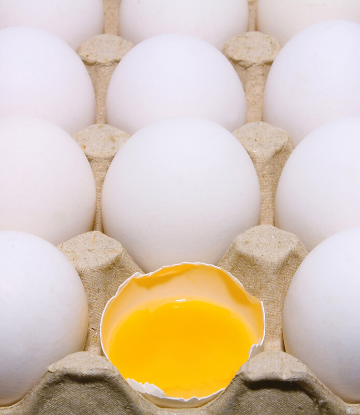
(187, 347)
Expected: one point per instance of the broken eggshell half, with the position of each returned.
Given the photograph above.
(187, 279)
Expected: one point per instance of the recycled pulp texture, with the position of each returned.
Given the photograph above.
(101, 54)
(100, 143)
(263, 258)
(252, 55)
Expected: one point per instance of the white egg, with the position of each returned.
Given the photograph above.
(284, 18)
(215, 21)
(315, 79)
(180, 190)
(44, 312)
(47, 187)
(319, 189)
(41, 76)
(321, 314)
(174, 75)
(73, 21)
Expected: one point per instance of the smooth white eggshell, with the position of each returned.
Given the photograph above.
(41, 76)
(174, 75)
(43, 309)
(215, 21)
(284, 18)
(47, 187)
(73, 21)
(319, 189)
(315, 79)
(180, 190)
(321, 314)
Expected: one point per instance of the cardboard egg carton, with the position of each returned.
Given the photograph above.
(264, 259)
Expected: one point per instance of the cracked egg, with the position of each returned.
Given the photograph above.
(180, 334)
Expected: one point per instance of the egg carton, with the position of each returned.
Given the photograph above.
(264, 259)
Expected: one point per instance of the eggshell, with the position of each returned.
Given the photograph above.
(314, 79)
(321, 314)
(43, 311)
(284, 18)
(46, 184)
(73, 21)
(215, 21)
(180, 190)
(186, 279)
(319, 189)
(41, 76)
(174, 75)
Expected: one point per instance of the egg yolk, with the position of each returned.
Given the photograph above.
(187, 347)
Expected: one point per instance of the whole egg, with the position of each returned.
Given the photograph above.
(47, 187)
(73, 21)
(180, 190)
(43, 308)
(215, 21)
(42, 76)
(321, 314)
(284, 18)
(174, 75)
(314, 79)
(319, 188)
